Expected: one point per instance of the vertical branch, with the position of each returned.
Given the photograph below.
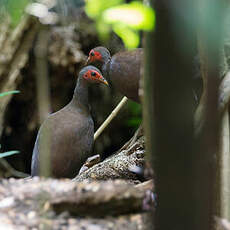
(43, 94)
(146, 93)
(225, 164)
(224, 132)
(208, 166)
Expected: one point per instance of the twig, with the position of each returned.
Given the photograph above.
(110, 117)
(137, 134)
(11, 170)
(146, 185)
(225, 167)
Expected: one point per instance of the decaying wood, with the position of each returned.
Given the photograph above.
(34, 202)
(101, 199)
(119, 165)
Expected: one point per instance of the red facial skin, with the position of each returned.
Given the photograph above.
(94, 56)
(95, 76)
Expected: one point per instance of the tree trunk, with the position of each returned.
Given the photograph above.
(224, 132)
(187, 176)
(213, 132)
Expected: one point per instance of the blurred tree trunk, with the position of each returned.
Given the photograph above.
(187, 171)
(215, 100)
(15, 45)
(169, 114)
(225, 137)
(43, 92)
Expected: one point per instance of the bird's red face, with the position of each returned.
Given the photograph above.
(95, 77)
(94, 56)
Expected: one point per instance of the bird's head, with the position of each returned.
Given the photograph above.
(98, 55)
(92, 75)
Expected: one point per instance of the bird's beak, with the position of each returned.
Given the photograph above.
(103, 80)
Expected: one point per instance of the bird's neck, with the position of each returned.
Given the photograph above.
(105, 69)
(80, 96)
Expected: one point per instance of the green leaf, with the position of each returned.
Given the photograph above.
(103, 30)
(94, 8)
(135, 15)
(135, 109)
(9, 92)
(135, 115)
(9, 153)
(129, 37)
(16, 9)
(134, 122)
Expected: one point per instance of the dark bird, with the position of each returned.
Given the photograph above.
(68, 133)
(122, 70)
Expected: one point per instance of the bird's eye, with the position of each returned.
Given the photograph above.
(92, 54)
(93, 74)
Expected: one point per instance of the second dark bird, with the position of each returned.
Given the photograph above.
(122, 69)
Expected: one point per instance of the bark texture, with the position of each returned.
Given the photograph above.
(120, 165)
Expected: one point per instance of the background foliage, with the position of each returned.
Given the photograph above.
(125, 19)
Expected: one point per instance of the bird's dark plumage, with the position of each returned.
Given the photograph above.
(68, 133)
(122, 69)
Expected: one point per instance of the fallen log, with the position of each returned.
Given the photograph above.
(98, 199)
(35, 202)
